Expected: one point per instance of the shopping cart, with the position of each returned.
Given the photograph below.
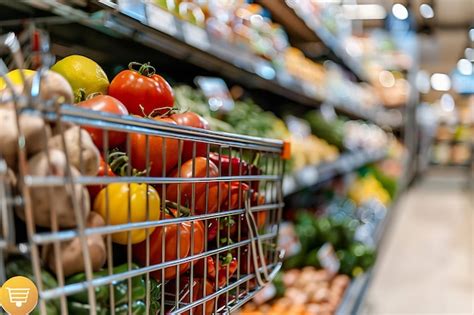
(19, 296)
(236, 196)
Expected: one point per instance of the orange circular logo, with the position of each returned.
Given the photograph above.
(18, 295)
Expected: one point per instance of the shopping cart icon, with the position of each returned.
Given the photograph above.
(18, 296)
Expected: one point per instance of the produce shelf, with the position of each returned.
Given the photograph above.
(313, 175)
(192, 44)
(357, 290)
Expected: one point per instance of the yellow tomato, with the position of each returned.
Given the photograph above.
(117, 195)
(15, 77)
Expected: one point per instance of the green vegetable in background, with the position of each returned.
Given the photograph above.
(331, 131)
(355, 257)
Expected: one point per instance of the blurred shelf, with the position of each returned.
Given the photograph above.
(450, 164)
(177, 38)
(314, 175)
(453, 142)
(355, 295)
(288, 11)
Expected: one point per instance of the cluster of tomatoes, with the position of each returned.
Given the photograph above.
(145, 94)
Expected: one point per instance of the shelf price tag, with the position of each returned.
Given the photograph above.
(161, 20)
(217, 93)
(328, 259)
(196, 36)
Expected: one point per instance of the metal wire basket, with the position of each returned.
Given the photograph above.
(166, 226)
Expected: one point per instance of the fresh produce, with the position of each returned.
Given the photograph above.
(245, 118)
(79, 304)
(304, 292)
(81, 151)
(70, 256)
(104, 170)
(190, 119)
(366, 188)
(23, 267)
(331, 131)
(354, 256)
(157, 146)
(53, 87)
(119, 201)
(171, 238)
(200, 290)
(84, 75)
(217, 191)
(62, 205)
(107, 104)
(142, 91)
(33, 128)
(15, 77)
(223, 270)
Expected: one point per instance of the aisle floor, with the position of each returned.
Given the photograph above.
(426, 265)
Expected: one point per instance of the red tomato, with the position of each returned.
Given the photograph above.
(191, 119)
(217, 191)
(155, 157)
(108, 104)
(104, 170)
(170, 233)
(135, 89)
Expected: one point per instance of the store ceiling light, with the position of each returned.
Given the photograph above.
(364, 11)
(464, 67)
(426, 11)
(400, 11)
(440, 82)
(386, 79)
(447, 102)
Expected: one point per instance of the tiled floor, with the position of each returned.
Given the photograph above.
(426, 266)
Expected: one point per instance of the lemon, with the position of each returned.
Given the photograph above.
(15, 77)
(83, 74)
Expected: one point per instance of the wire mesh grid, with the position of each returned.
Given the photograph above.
(133, 215)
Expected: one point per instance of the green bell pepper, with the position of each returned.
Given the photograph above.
(22, 267)
(120, 287)
(78, 303)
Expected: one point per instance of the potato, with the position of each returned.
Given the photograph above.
(72, 260)
(63, 204)
(54, 87)
(80, 148)
(33, 129)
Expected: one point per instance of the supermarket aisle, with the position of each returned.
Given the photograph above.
(427, 264)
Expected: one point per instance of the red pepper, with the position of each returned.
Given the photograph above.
(212, 229)
(225, 262)
(229, 164)
(104, 170)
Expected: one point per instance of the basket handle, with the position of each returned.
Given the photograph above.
(256, 246)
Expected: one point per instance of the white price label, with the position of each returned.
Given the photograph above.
(161, 20)
(328, 259)
(196, 36)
